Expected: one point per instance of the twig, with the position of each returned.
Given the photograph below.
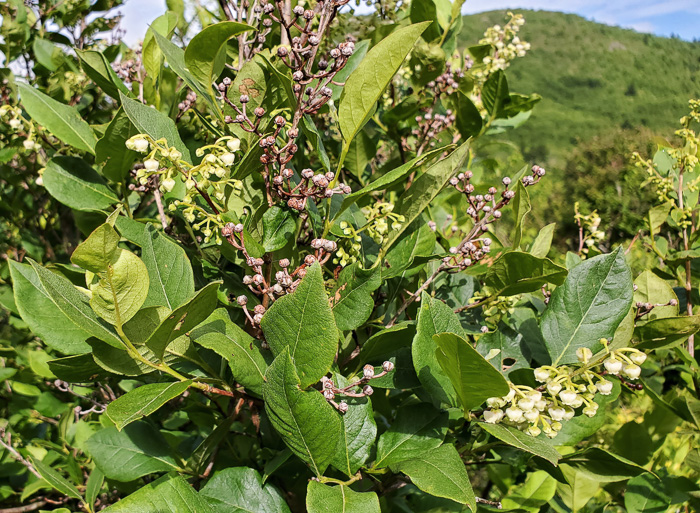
(496, 504)
(159, 204)
(23, 509)
(7, 444)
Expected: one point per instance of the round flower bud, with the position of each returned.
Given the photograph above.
(282, 51)
(284, 263)
(242, 300)
(247, 280)
(632, 371)
(257, 318)
(368, 371)
(484, 329)
(532, 415)
(533, 431)
(556, 413)
(526, 404)
(514, 414)
(343, 407)
(280, 121)
(638, 358)
(583, 354)
(613, 366)
(140, 144)
(541, 375)
(228, 159)
(15, 123)
(233, 144)
(554, 388)
(367, 390)
(388, 366)
(493, 416)
(244, 98)
(28, 144)
(309, 259)
(535, 395)
(568, 397)
(509, 396)
(328, 394)
(151, 165)
(591, 409)
(168, 184)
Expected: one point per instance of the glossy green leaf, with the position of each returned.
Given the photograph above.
(171, 281)
(74, 183)
(366, 84)
(434, 317)
(322, 498)
(604, 466)
(42, 314)
(142, 401)
(592, 302)
(473, 378)
(99, 250)
(513, 350)
(184, 318)
(441, 473)
(93, 486)
(279, 226)
(206, 52)
(352, 298)
(307, 423)
(417, 241)
(56, 480)
(303, 321)
(522, 441)
(111, 149)
(75, 305)
(667, 332)
(245, 356)
(495, 94)
(136, 451)
(425, 188)
(543, 242)
(61, 120)
(98, 68)
(538, 489)
(171, 493)
(517, 273)
(148, 120)
(645, 494)
(394, 345)
(240, 490)
(417, 430)
(468, 118)
(652, 289)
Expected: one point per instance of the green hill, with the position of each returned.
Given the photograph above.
(593, 79)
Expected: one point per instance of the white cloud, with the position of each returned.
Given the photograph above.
(138, 15)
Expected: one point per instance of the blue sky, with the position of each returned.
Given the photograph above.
(662, 17)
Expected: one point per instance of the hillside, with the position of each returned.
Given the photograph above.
(593, 78)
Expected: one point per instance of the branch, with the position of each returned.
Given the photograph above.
(7, 444)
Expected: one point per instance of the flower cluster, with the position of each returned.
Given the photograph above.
(590, 233)
(17, 124)
(564, 390)
(330, 390)
(209, 179)
(506, 44)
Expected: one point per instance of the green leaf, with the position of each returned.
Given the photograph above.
(512, 346)
(385, 181)
(321, 498)
(362, 150)
(522, 441)
(424, 190)
(93, 486)
(521, 207)
(303, 322)
(495, 94)
(74, 183)
(604, 466)
(417, 241)
(417, 430)
(473, 378)
(78, 368)
(42, 315)
(645, 494)
(75, 305)
(440, 473)
(665, 333)
(278, 228)
(394, 345)
(121, 289)
(111, 149)
(517, 273)
(358, 435)
(366, 84)
(206, 53)
(652, 289)
(314, 137)
(136, 451)
(170, 493)
(56, 480)
(240, 490)
(151, 55)
(426, 11)
(543, 242)
(580, 488)
(184, 318)
(351, 65)
(61, 120)
(99, 250)
(434, 317)
(309, 426)
(245, 356)
(352, 297)
(538, 489)
(171, 282)
(150, 121)
(119, 360)
(590, 305)
(142, 401)
(468, 119)
(98, 68)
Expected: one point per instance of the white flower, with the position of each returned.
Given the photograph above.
(583, 354)
(151, 165)
(536, 396)
(591, 409)
(638, 358)
(219, 171)
(39, 181)
(15, 123)
(228, 159)
(554, 388)
(189, 183)
(632, 371)
(526, 404)
(541, 374)
(613, 366)
(514, 414)
(604, 387)
(168, 184)
(568, 396)
(541, 405)
(211, 159)
(569, 413)
(234, 144)
(139, 144)
(28, 144)
(493, 416)
(509, 396)
(174, 154)
(577, 402)
(532, 415)
(557, 413)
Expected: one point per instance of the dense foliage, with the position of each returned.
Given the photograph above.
(280, 265)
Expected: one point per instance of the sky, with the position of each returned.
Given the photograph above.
(661, 17)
